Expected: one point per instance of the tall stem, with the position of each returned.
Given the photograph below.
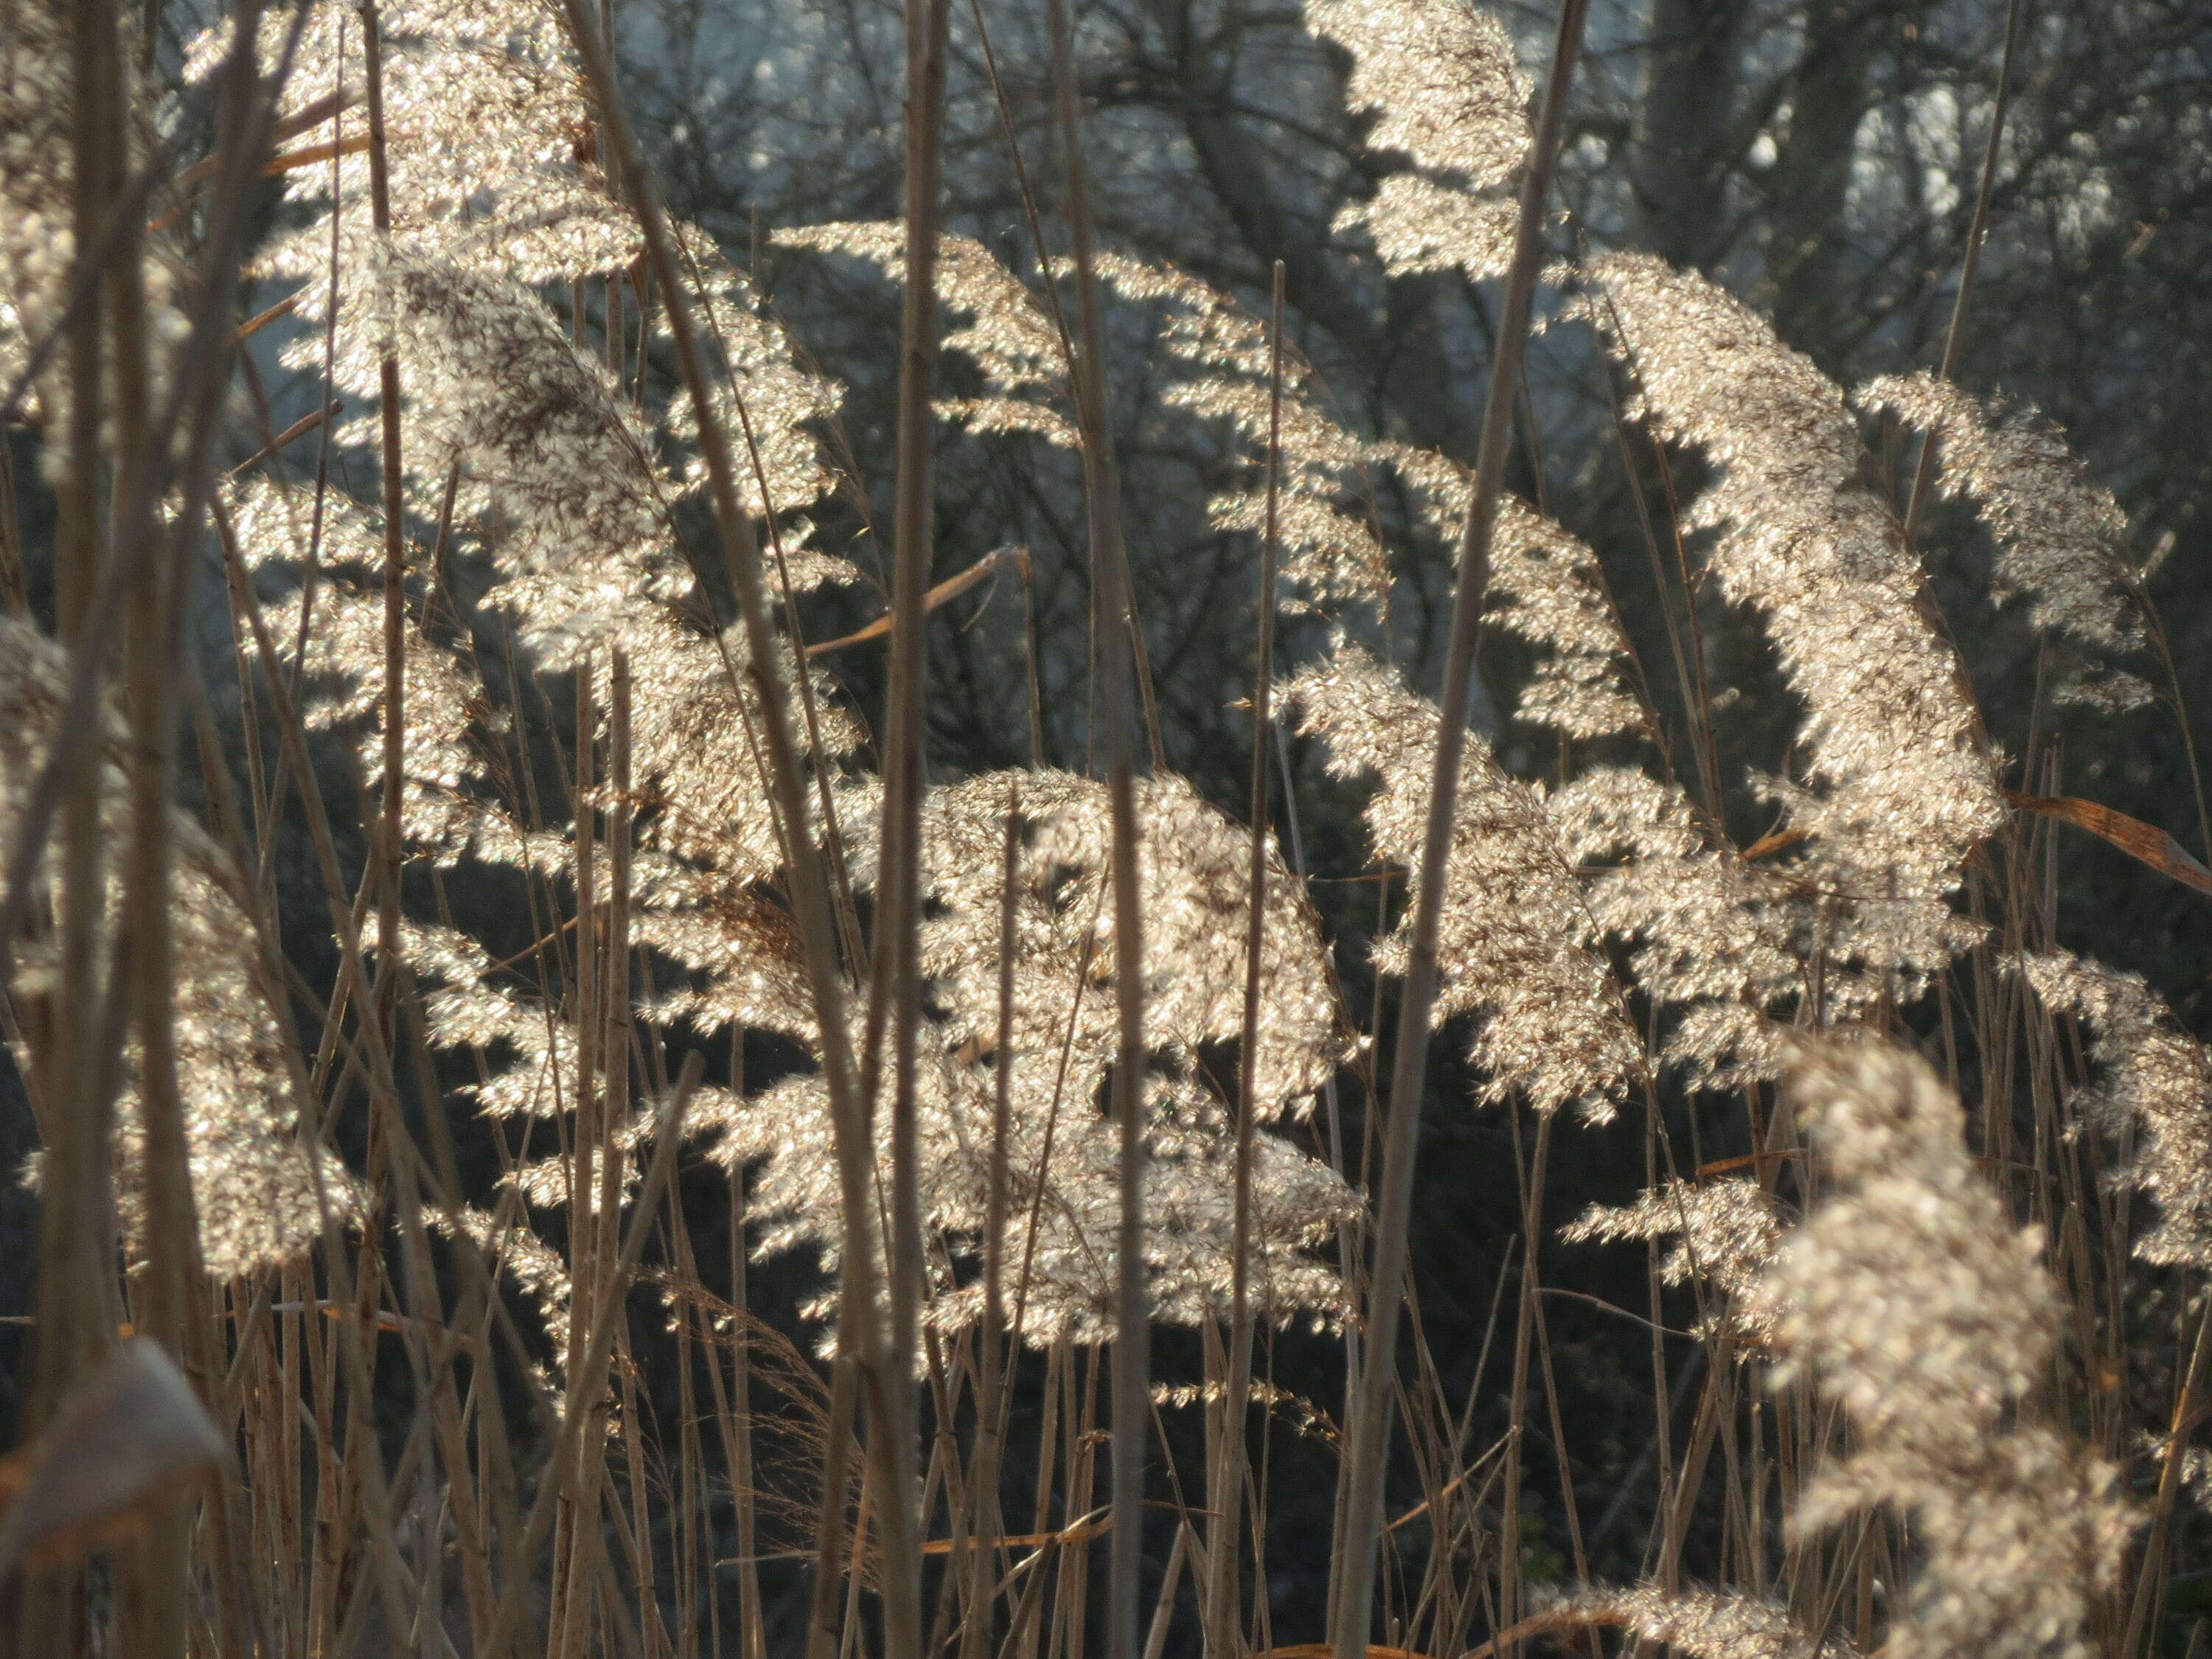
(169, 1245)
(395, 549)
(1224, 1634)
(990, 1388)
(893, 1426)
(860, 1332)
(1132, 1364)
(1370, 1434)
(76, 1220)
(1969, 262)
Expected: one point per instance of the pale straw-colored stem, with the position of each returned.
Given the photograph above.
(860, 1331)
(1223, 1624)
(1117, 711)
(1370, 1429)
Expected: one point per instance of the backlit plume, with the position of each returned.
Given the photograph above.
(37, 233)
(1225, 359)
(1513, 946)
(493, 382)
(2154, 1072)
(38, 238)
(1061, 1153)
(2061, 536)
(262, 1192)
(1546, 586)
(1725, 1233)
(444, 811)
(1709, 934)
(1913, 1306)
(1441, 79)
(1899, 787)
(523, 195)
(1009, 336)
(1703, 1624)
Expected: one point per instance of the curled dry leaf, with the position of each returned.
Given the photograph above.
(129, 1442)
(2146, 844)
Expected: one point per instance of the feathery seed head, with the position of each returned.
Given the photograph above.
(1515, 938)
(1915, 1306)
(2061, 536)
(2154, 1073)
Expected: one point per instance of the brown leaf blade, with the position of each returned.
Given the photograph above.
(127, 1444)
(1083, 1532)
(950, 588)
(2145, 843)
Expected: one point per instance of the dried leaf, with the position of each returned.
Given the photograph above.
(2145, 842)
(1769, 844)
(125, 1446)
(949, 589)
(1081, 1532)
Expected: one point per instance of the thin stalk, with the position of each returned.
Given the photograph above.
(1110, 582)
(983, 1478)
(1370, 1430)
(77, 1224)
(388, 849)
(2152, 1573)
(830, 1528)
(1029, 662)
(1970, 262)
(172, 1309)
(575, 1514)
(893, 1422)
(751, 1635)
(1224, 1628)
(859, 1335)
(76, 1284)
(691, 1458)
(588, 1381)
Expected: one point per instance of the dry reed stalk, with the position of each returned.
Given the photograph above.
(893, 1422)
(858, 1329)
(983, 1519)
(1118, 668)
(172, 1308)
(752, 1636)
(1970, 259)
(1370, 1413)
(690, 1495)
(75, 1226)
(577, 1516)
(823, 1626)
(389, 852)
(75, 1296)
(1227, 1480)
